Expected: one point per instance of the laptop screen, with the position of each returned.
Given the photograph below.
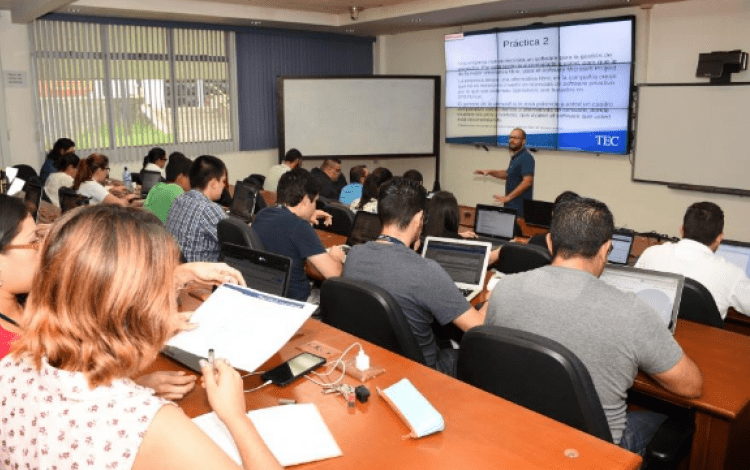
(149, 180)
(494, 221)
(538, 213)
(621, 246)
(366, 228)
(465, 261)
(243, 202)
(737, 253)
(662, 291)
(262, 271)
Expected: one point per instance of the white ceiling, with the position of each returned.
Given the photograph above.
(375, 17)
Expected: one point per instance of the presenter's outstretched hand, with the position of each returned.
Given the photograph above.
(482, 172)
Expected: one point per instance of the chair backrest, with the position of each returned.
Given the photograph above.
(520, 257)
(369, 312)
(148, 180)
(534, 372)
(69, 199)
(33, 197)
(25, 172)
(343, 219)
(237, 232)
(698, 305)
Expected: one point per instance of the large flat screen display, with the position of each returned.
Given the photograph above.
(568, 85)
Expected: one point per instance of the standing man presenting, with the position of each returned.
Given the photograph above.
(519, 177)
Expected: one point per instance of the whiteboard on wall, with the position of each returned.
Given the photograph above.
(373, 116)
(694, 134)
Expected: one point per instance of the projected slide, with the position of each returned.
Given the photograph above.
(568, 86)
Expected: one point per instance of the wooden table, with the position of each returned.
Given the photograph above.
(722, 435)
(481, 430)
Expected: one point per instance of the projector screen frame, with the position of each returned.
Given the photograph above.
(437, 103)
(629, 145)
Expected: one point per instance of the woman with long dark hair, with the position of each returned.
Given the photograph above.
(369, 200)
(62, 146)
(89, 181)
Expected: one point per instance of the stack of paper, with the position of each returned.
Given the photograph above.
(243, 325)
(294, 434)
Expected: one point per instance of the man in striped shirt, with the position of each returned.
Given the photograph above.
(193, 217)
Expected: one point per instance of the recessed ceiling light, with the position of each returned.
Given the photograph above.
(416, 20)
(349, 30)
(255, 23)
(74, 10)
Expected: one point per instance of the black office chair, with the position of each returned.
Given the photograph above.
(365, 310)
(69, 199)
(545, 376)
(520, 257)
(343, 219)
(698, 305)
(236, 231)
(33, 197)
(136, 178)
(26, 172)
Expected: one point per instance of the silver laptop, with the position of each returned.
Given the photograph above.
(662, 291)
(737, 253)
(494, 224)
(622, 244)
(465, 261)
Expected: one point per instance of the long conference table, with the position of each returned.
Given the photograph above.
(482, 431)
(722, 413)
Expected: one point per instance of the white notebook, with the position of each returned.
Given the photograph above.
(294, 434)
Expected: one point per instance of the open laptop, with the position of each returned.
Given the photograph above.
(494, 224)
(366, 228)
(465, 261)
(622, 244)
(149, 179)
(263, 271)
(737, 253)
(662, 291)
(243, 202)
(537, 213)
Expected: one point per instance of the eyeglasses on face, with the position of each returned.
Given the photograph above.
(29, 246)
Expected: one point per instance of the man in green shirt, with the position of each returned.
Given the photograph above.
(162, 195)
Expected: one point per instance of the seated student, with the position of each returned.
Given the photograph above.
(369, 200)
(20, 239)
(329, 178)
(62, 147)
(420, 286)
(292, 160)
(695, 257)
(541, 239)
(66, 171)
(353, 190)
(155, 160)
(414, 175)
(442, 220)
(74, 357)
(612, 332)
(161, 196)
(286, 229)
(91, 173)
(193, 216)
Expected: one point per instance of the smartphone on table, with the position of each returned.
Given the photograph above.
(294, 368)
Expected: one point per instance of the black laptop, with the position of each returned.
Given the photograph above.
(494, 224)
(537, 213)
(366, 228)
(243, 202)
(33, 198)
(149, 179)
(263, 271)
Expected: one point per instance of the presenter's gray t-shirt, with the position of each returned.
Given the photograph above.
(421, 287)
(612, 332)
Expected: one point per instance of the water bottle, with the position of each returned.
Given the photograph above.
(127, 179)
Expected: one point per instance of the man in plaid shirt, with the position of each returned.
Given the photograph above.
(193, 217)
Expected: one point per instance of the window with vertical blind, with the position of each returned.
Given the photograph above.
(121, 89)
